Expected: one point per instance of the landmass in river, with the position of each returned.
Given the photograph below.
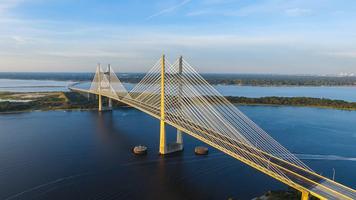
(12, 102)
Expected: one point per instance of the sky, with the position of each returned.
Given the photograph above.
(214, 36)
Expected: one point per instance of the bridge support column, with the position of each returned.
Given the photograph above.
(179, 137)
(165, 148)
(305, 195)
(109, 104)
(108, 76)
(179, 132)
(162, 137)
(100, 106)
(179, 140)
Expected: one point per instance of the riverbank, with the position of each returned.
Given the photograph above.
(31, 101)
(214, 79)
(295, 101)
(22, 102)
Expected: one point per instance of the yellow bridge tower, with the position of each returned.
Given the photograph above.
(162, 138)
(165, 148)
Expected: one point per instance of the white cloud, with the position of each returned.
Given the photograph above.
(19, 39)
(199, 12)
(5, 5)
(90, 53)
(212, 2)
(170, 9)
(265, 7)
(296, 12)
(47, 44)
(343, 54)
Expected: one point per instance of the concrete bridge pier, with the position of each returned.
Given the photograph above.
(167, 148)
(100, 103)
(101, 107)
(179, 137)
(179, 141)
(110, 104)
(305, 195)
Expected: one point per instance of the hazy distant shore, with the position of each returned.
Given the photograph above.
(215, 79)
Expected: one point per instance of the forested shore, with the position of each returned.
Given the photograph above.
(215, 79)
(18, 102)
(295, 101)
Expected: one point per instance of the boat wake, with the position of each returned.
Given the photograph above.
(323, 157)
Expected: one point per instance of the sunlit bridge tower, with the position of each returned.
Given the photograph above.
(108, 75)
(100, 103)
(103, 85)
(164, 147)
(179, 96)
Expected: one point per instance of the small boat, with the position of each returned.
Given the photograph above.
(140, 150)
(201, 150)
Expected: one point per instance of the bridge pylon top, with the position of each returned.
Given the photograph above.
(107, 83)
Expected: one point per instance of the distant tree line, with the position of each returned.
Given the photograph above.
(226, 79)
(295, 101)
(72, 100)
(55, 101)
(279, 80)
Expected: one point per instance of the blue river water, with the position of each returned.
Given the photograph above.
(17, 85)
(341, 93)
(87, 155)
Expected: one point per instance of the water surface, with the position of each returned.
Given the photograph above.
(18, 85)
(86, 155)
(340, 93)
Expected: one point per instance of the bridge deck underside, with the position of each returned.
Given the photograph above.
(294, 176)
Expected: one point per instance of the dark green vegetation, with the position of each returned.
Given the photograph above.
(48, 101)
(295, 101)
(279, 80)
(73, 100)
(227, 79)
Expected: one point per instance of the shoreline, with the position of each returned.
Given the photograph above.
(228, 82)
(294, 102)
(237, 104)
(69, 101)
(59, 109)
(296, 86)
(299, 106)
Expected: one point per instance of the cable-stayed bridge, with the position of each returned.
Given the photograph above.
(177, 95)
